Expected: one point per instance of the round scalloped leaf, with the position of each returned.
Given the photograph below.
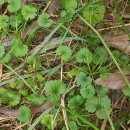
(91, 105)
(84, 55)
(19, 49)
(29, 12)
(95, 14)
(14, 5)
(75, 101)
(73, 125)
(83, 80)
(24, 114)
(65, 52)
(71, 4)
(4, 19)
(87, 92)
(44, 20)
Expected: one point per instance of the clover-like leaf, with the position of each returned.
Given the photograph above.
(54, 89)
(34, 62)
(64, 51)
(36, 99)
(4, 19)
(44, 20)
(2, 51)
(87, 92)
(101, 55)
(71, 4)
(29, 12)
(75, 101)
(19, 49)
(93, 15)
(83, 80)
(84, 55)
(14, 5)
(24, 114)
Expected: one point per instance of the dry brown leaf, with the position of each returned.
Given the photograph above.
(113, 81)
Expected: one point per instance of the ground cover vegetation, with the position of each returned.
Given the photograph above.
(59, 68)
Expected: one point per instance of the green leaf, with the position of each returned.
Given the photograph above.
(14, 5)
(24, 114)
(4, 19)
(2, 2)
(44, 20)
(101, 113)
(72, 72)
(24, 93)
(101, 55)
(34, 62)
(29, 12)
(84, 55)
(71, 4)
(54, 88)
(102, 91)
(104, 72)
(87, 92)
(5, 59)
(73, 125)
(67, 15)
(46, 121)
(93, 15)
(75, 101)
(64, 51)
(91, 105)
(126, 91)
(2, 51)
(15, 20)
(36, 99)
(10, 97)
(19, 49)
(82, 80)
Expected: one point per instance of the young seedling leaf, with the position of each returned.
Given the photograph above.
(73, 125)
(36, 99)
(83, 80)
(93, 15)
(4, 19)
(65, 52)
(34, 62)
(71, 4)
(54, 89)
(14, 5)
(44, 20)
(5, 59)
(75, 101)
(24, 114)
(87, 92)
(19, 49)
(84, 55)
(29, 12)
